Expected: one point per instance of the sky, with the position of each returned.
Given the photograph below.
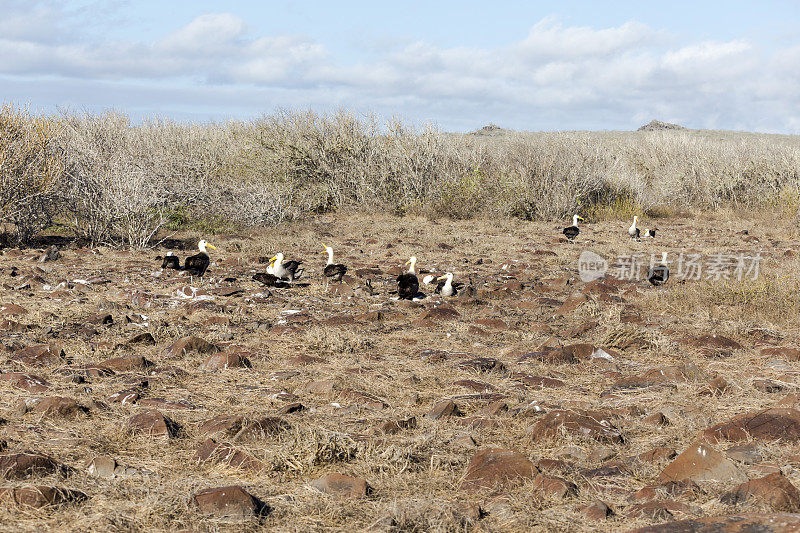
(534, 66)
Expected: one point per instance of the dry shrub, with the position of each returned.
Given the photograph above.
(31, 166)
(126, 182)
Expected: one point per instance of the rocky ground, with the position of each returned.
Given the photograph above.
(140, 399)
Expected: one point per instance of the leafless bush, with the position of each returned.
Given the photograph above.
(31, 166)
(124, 182)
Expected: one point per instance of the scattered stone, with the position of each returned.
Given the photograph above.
(554, 487)
(186, 345)
(28, 382)
(24, 465)
(226, 424)
(342, 486)
(232, 502)
(577, 424)
(142, 339)
(129, 363)
(745, 453)
(39, 355)
(716, 387)
(40, 496)
(57, 406)
(216, 453)
(656, 419)
(776, 424)
(443, 409)
(153, 424)
(773, 490)
(222, 361)
(761, 523)
(266, 427)
(700, 462)
(596, 511)
(497, 468)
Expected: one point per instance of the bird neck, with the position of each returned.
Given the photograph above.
(411, 267)
(330, 257)
(575, 220)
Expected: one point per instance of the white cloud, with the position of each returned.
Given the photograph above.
(556, 77)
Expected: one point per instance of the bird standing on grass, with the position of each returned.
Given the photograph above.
(633, 231)
(407, 283)
(285, 269)
(572, 231)
(333, 271)
(198, 264)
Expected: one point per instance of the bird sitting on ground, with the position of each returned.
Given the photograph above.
(289, 270)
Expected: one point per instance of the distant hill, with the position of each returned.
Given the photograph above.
(657, 125)
(492, 130)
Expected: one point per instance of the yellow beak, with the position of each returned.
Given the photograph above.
(440, 278)
(209, 245)
(273, 260)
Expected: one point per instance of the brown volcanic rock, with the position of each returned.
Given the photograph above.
(222, 361)
(713, 345)
(39, 496)
(443, 409)
(218, 453)
(28, 382)
(700, 462)
(39, 355)
(554, 487)
(596, 511)
(153, 424)
(342, 486)
(776, 424)
(773, 490)
(130, 363)
(227, 424)
(580, 424)
(187, 345)
(744, 523)
(266, 427)
(23, 465)
(232, 502)
(790, 354)
(497, 468)
(57, 406)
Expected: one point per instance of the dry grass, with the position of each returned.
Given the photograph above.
(416, 472)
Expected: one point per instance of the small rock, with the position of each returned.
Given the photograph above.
(343, 486)
(700, 462)
(442, 409)
(154, 424)
(773, 490)
(233, 502)
(497, 468)
(40, 496)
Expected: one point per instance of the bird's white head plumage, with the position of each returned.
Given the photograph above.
(576, 219)
(329, 251)
(203, 244)
(411, 262)
(448, 276)
(278, 259)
